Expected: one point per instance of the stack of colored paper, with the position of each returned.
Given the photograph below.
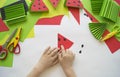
(96, 6)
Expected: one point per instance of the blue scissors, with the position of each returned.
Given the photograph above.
(3, 48)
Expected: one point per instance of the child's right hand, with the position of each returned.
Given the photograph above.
(66, 58)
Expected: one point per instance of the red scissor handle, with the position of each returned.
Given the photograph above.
(17, 49)
(3, 54)
(12, 49)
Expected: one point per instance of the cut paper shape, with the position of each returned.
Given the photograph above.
(18, 2)
(64, 41)
(118, 1)
(3, 26)
(75, 12)
(50, 21)
(87, 7)
(92, 18)
(96, 6)
(54, 3)
(8, 62)
(38, 6)
(97, 29)
(113, 44)
(14, 13)
(73, 3)
(110, 10)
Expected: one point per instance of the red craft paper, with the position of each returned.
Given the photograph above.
(3, 26)
(74, 3)
(93, 19)
(55, 2)
(75, 12)
(38, 5)
(118, 1)
(112, 43)
(50, 21)
(64, 41)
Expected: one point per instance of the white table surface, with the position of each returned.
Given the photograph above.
(96, 60)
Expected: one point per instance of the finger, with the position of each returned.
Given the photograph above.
(46, 50)
(62, 47)
(54, 52)
(55, 62)
(50, 50)
(60, 56)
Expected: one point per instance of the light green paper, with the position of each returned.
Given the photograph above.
(87, 6)
(8, 62)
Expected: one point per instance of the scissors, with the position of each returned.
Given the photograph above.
(11, 44)
(3, 48)
(116, 31)
(14, 47)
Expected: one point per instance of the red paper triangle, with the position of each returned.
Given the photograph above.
(75, 12)
(112, 43)
(3, 26)
(38, 5)
(64, 41)
(50, 21)
(92, 18)
(118, 1)
(55, 2)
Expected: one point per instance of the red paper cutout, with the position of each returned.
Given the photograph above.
(112, 43)
(3, 26)
(54, 2)
(118, 1)
(64, 41)
(74, 3)
(50, 21)
(38, 5)
(93, 19)
(75, 12)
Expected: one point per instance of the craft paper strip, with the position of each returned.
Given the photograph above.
(50, 21)
(75, 12)
(87, 6)
(64, 41)
(3, 26)
(112, 43)
(8, 62)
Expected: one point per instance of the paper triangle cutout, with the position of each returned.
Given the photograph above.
(38, 6)
(112, 43)
(50, 21)
(75, 12)
(3, 26)
(97, 29)
(64, 41)
(55, 3)
(73, 3)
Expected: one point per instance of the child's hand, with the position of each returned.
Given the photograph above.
(48, 59)
(66, 58)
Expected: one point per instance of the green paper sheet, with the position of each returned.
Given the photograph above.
(87, 6)
(8, 62)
